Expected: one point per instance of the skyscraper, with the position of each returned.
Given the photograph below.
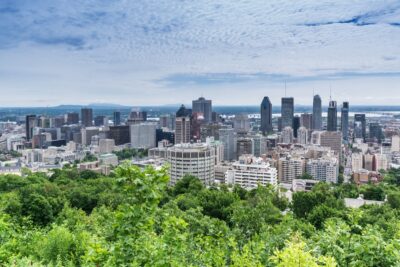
(266, 116)
(287, 112)
(204, 106)
(345, 121)
(306, 120)
(360, 126)
(296, 125)
(72, 118)
(317, 113)
(30, 123)
(117, 118)
(332, 116)
(182, 125)
(87, 117)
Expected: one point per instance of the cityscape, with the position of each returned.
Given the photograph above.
(169, 133)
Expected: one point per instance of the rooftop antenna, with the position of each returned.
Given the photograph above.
(285, 88)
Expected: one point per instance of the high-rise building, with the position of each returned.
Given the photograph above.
(72, 118)
(317, 113)
(326, 170)
(117, 118)
(244, 146)
(204, 106)
(333, 140)
(99, 120)
(357, 161)
(302, 135)
(227, 137)
(182, 125)
(266, 116)
(287, 135)
(30, 123)
(375, 132)
(87, 117)
(87, 134)
(120, 134)
(143, 135)
(360, 126)
(296, 125)
(196, 121)
(241, 123)
(306, 120)
(345, 121)
(290, 169)
(136, 117)
(332, 117)
(287, 111)
(192, 159)
(395, 145)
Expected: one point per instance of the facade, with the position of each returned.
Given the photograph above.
(182, 126)
(306, 121)
(244, 146)
(87, 134)
(250, 172)
(287, 111)
(227, 137)
(332, 117)
(360, 126)
(72, 118)
(290, 169)
(87, 117)
(326, 170)
(266, 116)
(395, 146)
(30, 123)
(287, 135)
(345, 121)
(317, 113)
(203, 106)
(375, 132)
(117, 118)
(120, 134)
(143, 135)
(192, 159)
(241, 123)
(106, 146)
(357, 161)
(302, 135)
(333, 140)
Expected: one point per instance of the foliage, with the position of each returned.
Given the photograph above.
(134, 218)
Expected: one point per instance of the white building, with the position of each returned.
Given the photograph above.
(143, 135)
(109, 159)
(227, 137)
(395, 143)
(287, 135)
(192, 159)
(218, 148)
(326, 170)
(381, 162)
(106, 146)
(290, 169)
(302, 136)
(356, 161)
(249, 172)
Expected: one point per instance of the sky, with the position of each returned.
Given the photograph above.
(160, 52)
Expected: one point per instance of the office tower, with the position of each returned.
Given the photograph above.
(215, 117)
(332, 117)
(249, 172)
(244, 146)
(345, 121)
(296, 125)
(360, 126)
(302, 135)
(106, 146)
(191, 159)
(204, 106)
(241, 123)
(287, 111)
(287, 135)
(210, 130)
(164, 134)
(290, 169)
(117, 118)
(266, 116)
(375, 132)
(99, 120)
(325, 170)
(333, 140)
(317, 113)
(182, 125)
(56, 122)
(306, 120)
(167, 121)
(136, 117)
(72, 118)
(218, 148)
(30, 123)
(196, 121)
(143, 135)
(87, 117)
(227, 137)
(120, 134)
(87, 134)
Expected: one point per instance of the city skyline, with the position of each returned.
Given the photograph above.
(161, 52)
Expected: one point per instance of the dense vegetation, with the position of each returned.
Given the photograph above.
(133, 218)
(129, 153)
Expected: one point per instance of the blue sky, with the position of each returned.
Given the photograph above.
(171, 51)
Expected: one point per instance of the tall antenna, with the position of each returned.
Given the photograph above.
(330, 92)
